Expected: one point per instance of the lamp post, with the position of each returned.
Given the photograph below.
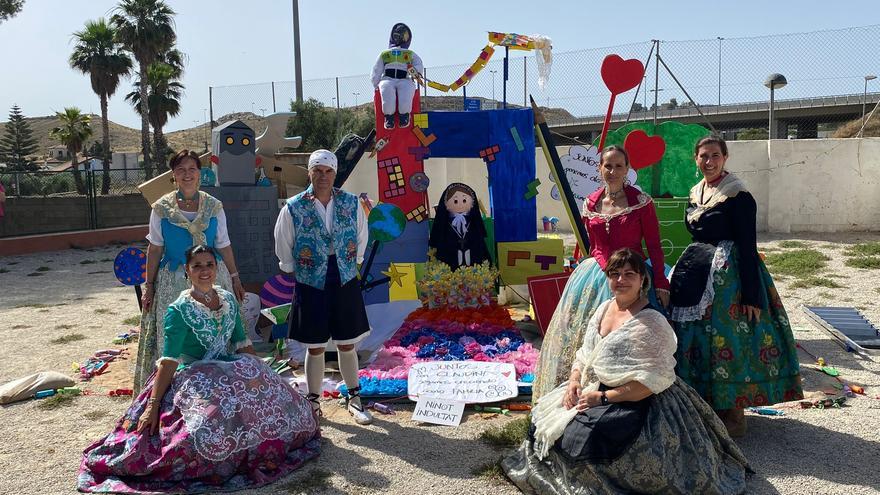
(207, 126)
(773, 81)
(720, 39)
(869, 77)
(356, 94)
(493, 87)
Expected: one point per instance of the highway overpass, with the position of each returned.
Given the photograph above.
(806, 113)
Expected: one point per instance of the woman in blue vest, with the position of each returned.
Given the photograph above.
(179, 220)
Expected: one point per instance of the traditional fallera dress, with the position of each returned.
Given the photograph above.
(588, 287)
(731, 361)
(227, 421)
(669, 442)
(176, 230)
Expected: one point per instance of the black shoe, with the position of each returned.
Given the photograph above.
(404, 120)
(389, 121)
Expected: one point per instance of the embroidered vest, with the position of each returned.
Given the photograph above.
(311, 247)
(178, 240)
(179, 233)
(397, 56)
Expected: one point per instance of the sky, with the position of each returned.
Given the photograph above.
(234, 42)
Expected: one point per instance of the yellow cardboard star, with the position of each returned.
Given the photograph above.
(395, 275)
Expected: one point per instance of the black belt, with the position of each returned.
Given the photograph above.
(395, 73)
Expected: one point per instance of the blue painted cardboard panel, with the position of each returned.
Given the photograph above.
(378, 294)
(410, 247)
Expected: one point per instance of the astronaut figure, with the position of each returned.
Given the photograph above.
(391, 75)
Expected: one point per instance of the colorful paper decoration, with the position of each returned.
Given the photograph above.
(130, 266)
(517, 261)
(643, 150)
(581, 166)
(417, 215)
(398, 141)
(395, 275)
(277, 290)
(488, 154)
(467, 287)
(516, 139)
(419, 182)
(396, 184)
(420, 135)
(545, 292)
(419, 152)
(405, 287)
(420, 120)
(532, 189)
(386, 222)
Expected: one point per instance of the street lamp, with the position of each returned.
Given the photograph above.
(869, 77)
(264, 111)
(773, 81)
(493, 86)
(356, 94)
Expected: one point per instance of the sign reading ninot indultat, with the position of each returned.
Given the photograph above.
(463, 381)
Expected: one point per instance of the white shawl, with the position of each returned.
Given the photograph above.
(729, 187)
(642, 350)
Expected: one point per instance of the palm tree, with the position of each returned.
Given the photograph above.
(146, 29)
(163, 101)
(74, 131)
(99, 55)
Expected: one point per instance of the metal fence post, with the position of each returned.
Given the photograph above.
(211, 105)
(273, 97)
(525, 82)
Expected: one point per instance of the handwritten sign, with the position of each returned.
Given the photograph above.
(438, 411)
(581, 166)
(463, 381)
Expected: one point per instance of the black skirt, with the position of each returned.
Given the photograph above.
(336, 312)
(691, 275)
(602, 434)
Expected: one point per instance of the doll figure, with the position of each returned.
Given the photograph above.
(392, 76)
(458, 234)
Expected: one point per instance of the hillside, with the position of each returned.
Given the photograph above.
(124, 138)
(851, 128)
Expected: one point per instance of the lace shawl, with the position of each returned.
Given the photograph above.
(209, 206)
(729, 187)
(642, 350)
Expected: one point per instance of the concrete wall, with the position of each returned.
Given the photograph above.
(802, 185)
(28, 215)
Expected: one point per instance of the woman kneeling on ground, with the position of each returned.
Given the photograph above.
(213, 417)
(623, 423)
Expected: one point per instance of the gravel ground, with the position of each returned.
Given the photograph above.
(805, 452)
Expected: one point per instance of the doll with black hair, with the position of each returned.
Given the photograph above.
(458, 234)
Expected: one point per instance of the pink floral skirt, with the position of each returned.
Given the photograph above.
(224, 425)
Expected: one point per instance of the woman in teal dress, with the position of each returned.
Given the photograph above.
(735, 345)
(178, 221)
(214, 417)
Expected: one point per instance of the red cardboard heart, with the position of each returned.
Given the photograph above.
(643, 150)
(621, 75)
(505, 373)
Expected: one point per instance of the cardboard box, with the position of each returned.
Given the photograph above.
(157, 187)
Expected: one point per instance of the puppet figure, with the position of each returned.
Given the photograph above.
(392, 76)
(458, 233)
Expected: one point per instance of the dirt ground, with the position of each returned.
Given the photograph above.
(47, 296)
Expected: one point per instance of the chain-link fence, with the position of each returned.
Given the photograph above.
(72, 183)
(828, 73)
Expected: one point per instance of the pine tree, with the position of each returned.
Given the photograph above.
(18, 142)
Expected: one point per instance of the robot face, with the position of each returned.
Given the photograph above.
(237, 140)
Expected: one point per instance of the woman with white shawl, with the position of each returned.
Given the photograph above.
(624, 423)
